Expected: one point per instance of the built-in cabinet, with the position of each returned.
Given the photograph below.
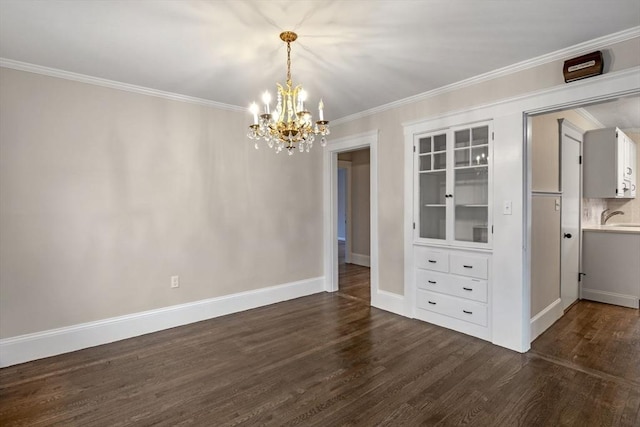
(452, 182)
(610, 158)
(453, 227)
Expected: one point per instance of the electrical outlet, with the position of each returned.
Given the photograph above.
(175, 281)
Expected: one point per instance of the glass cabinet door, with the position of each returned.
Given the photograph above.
(432, 186)
(471, 184)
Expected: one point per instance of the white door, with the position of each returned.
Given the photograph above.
(570, 179)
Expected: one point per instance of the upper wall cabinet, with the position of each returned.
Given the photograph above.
(452, 199)
(609, 164)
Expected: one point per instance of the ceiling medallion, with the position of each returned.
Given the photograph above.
(289, 125)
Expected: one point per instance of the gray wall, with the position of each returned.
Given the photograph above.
(105, 194)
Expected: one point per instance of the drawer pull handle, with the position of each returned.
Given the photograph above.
(467, 289)
(468, 266)
(432, 303)
(432, 282)
(467, 312)
(432, 261)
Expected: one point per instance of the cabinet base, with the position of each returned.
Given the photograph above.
(454, 324)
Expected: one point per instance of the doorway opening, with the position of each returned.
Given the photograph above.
(353, 224)
(559, 211)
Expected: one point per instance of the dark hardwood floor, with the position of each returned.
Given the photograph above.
(354, 281)
(331, 360)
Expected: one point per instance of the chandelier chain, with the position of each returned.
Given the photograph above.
(289, 64)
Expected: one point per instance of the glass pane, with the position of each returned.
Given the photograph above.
(440, 142)
(432, 188)
(425, 145)
(432, 205)
(462, 157)
(461, 138)
(480, 135)
(471, 186)
(440, 161)
(480, 155)
(433, 222)
(471, 195)
(471, 224)
(425, 162)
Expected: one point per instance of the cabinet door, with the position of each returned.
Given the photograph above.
(471, 184)
(431, 167)
(633, 160)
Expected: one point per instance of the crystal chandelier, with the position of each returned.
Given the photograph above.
(289, 125)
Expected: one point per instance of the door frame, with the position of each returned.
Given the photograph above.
(330, 206)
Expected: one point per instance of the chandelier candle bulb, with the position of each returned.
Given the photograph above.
(253, 108)
(266, 98)
(320, 110)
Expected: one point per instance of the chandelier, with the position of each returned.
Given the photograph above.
(289, 125)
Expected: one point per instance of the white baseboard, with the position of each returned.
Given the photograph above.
(38, 345)
(359, 259)
(547, 317)
(630, 301)
(389, 301)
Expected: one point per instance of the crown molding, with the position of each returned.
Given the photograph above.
(83, 78)
(578, 49)
(589, 117)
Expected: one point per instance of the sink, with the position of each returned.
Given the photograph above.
(623, 225)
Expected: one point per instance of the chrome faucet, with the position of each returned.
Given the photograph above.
(604, 216)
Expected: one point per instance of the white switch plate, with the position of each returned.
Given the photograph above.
(506, 210)
(175, 281)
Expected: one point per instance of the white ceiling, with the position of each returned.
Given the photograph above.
(357, 55)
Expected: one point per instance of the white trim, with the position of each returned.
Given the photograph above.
(83, 78)
(359, 259)
(547, 317)
(330, 209)
(578, 49)
(38, 345)
(630, 301)
(388, 301)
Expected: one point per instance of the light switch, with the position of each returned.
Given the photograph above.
(506, 210)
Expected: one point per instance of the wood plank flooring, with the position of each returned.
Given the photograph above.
(331, 360)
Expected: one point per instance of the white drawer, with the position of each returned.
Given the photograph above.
(432, 259)
(470, 311)
(432, 281)
(467, 287)
(472, 266)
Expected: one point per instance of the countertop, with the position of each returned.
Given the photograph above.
(613, 228)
